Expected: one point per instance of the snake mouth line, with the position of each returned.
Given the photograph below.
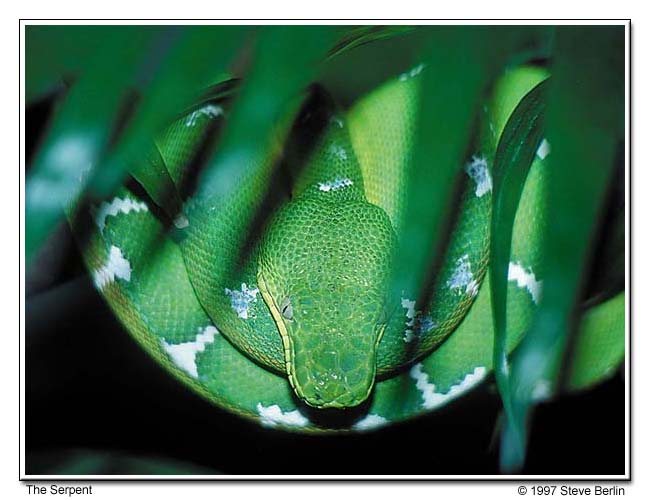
(287, 345)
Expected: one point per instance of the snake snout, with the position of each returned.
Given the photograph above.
(334, 379)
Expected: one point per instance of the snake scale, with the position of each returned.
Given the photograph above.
(299, 327)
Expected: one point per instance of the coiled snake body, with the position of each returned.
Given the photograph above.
(304, 323)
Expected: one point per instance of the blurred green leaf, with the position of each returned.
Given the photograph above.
(153, 175)
(607, 271)
(356, 69)
(535, 43)
(73, 462)
(463, 61)
(169, 72)
(515, 153)
(284, 61)
(79, 135)
(58, 55)
(599, 346)
(584, 125)
(199, 58)
(361, 35)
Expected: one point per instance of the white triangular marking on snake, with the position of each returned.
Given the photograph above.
(273, 415)
(370, 421)
(209, 111)
(117, 206)
(339, 152)
(478, 171)
(116, 267)
(425, 324)
(432, 399)
(525, 279)
(241, 301)
(415, 323)
(412, 73)
(338, 183)
(544, 149)
(463, 278)
(409, 305)
(184, 355)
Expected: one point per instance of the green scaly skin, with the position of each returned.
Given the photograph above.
(305, 321)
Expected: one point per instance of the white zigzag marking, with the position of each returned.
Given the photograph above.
(241, 301)
(415, 323)
(477, 169)
(116, 267)
(184, 355)
(412, 73)
(525, 279)
(432, 399)
(409, 305)
(209, 111)
(462, 277)
(339, 152)
(337, 183)
(118, 205)
(273, 415)
(370, 421)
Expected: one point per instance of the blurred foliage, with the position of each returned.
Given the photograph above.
(79, 462)
(585, 125)
(115, 88)
(517, 148)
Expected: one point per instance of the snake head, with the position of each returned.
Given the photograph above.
(322, 272)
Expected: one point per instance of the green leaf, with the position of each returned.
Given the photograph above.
(463, 61)
(87, 462)
(152, 174)
(284, 62)
(515, 153)
(361, 35)
(599, 344)
(58, 55)
(198, 58)
(584, 125)
(170, 67)
(79, 135)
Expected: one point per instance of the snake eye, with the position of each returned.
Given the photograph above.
(286, 309)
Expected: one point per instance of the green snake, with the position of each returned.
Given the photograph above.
(299, 326)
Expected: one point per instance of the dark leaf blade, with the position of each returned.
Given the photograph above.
(361, 35)
(285, 61)
(197, 58)
(599, 344)
(584, 125)
(242, 182)
(515, 153)
(79, 136)
(59, 54)
(461, 64)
